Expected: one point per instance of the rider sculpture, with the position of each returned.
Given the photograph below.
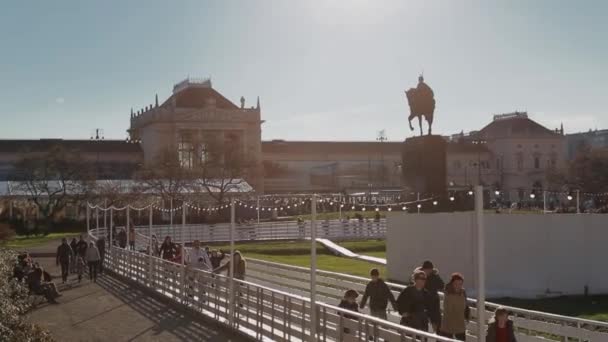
(422, 103)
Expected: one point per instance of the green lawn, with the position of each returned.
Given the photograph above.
(19, 241)
(297, 253)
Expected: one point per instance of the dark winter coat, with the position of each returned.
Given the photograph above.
(349, 306)
(216, 261)
(417, 305)
(101, 246)
(81, 248)
(491, 332)
(379, 295)
(64, 253)
(433, 285)
(168, 250)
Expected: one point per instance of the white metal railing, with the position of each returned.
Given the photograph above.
(285, 230)
(262, 312)
(532, 325)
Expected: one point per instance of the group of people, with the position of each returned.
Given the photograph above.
(79, 255)
(419, 304)
(39, 282)
(198, 257)
(123, 238)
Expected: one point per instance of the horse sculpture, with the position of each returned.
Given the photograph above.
(422, 103)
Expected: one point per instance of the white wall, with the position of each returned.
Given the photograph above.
(525, 254)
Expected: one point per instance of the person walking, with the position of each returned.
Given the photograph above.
(456, 311)
(379, 295)
(434, 284)
(349, 302)
(414, 304)
(500, 327)
(92, 259)
(168, 249)
(63, 258)
(81, 247)
(216, 258)
(73, 245)
(122, 239)
(198, 257)
(155, 248)
(101, 247)
(131, 236)
(240, 266)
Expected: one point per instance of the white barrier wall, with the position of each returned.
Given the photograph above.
(527, 255)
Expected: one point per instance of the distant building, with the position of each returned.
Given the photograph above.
(331, 166)
(523, 154)
(194, 117)
(593, 139)
(111, 159)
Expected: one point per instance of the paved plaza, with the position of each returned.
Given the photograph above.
(113, 310)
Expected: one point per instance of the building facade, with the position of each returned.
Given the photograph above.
(331, 166)
(196, 119)
(523, 154)
(593, 139)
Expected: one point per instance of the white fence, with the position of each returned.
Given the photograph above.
(262, 312)
(283, 230)
(532, 326)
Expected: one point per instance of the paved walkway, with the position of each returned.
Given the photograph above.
(113, 310)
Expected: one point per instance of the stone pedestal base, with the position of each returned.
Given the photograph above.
(424, 165)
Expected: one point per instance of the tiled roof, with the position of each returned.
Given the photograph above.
(514, 127)
(197, 97)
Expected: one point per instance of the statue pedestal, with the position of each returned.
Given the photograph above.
(424, 164)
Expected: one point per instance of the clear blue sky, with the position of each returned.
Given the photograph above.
(324, 70)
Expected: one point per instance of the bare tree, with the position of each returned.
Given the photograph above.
(166, 177)
(220, 169)
(52, 179)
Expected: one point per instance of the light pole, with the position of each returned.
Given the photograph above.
(382, 138)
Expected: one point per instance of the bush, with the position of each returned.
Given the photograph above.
(14, 304)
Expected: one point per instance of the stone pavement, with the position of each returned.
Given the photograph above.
(115, 310)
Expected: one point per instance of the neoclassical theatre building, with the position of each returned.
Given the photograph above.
(512, 151)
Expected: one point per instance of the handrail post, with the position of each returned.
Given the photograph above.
(313, 268)
(231, 302)
(481, 276)
(151, 252)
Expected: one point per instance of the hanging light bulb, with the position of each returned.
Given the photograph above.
(363, 209)
(419, 206)
(404, 208)
(470, 192)
(341, 205)
(390, 209)
(452, 198)
(497, 193)
(569, 197)
(377, 209)
(435, 202)
(353, 207)
(532, 196)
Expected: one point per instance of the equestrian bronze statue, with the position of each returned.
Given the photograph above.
(422, 103)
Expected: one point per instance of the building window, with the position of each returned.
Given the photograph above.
(457, 164)
(536, 162)
(203, 153)
(185, 151)
(519, 160)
